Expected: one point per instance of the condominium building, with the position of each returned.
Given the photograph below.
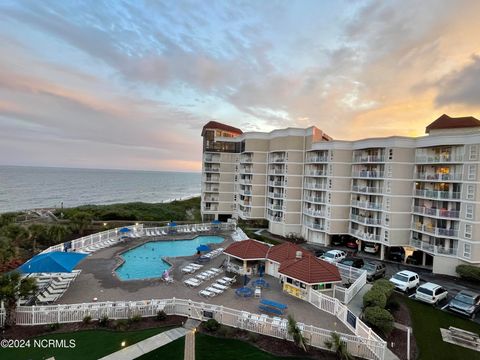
(418, 193)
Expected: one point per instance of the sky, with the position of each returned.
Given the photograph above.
(129, 84)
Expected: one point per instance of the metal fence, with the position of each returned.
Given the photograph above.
(361, 345)
(357, 279)
(372, 341)
(2, 316)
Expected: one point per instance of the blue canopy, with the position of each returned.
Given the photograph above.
(173, 223)
(260, 282)
(55, 261)
(203, 248)
(273, 304)
(216, 222)
(244, 292)
(124, 230)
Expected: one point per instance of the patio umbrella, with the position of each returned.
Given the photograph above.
(216, 222)
(203, 248)
(244, 292)
(261, 283)
(172, 224)
(124, 230)
(55, 261)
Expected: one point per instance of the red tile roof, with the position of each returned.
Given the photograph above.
(285, 251)
(310, 270)
(248, 249)
(220, 126)
(447, 122)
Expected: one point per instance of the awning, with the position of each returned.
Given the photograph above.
(55, 261)
(124, 230)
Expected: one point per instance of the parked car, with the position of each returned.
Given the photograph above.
(353, 262)
(371, 248)
(415, 258)
(465, 303)
(375, 270)
(396, 253)
(431, 293)
(334, 255)
(351, 243)
(319, 253)
(405, 280)
(338, 240)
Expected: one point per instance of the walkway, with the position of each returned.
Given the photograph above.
(142, 347)
(189, 353)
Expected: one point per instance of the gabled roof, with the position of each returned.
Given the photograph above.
(447, 122)
(310, 270)
(220, 126)
(247, 249)
(286, 251)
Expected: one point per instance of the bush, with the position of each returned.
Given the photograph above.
(379, 318)
(87, 319)
(392, 306)
(384, 286)
(53, 326)
(468, 272)
(122, 324)
(374, 297)
(226, 331)
(161, 315)
(135, 318)
(211, 325)
(252, 337)
(103, 321)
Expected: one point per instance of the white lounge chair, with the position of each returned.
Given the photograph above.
(188, 270)
(192, 282)
(214, 290)
(219, 286)
(206, 293)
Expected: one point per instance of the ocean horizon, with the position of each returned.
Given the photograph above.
(29, 187)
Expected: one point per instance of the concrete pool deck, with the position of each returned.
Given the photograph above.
(98, 280)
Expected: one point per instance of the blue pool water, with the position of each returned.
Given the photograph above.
(145, 261)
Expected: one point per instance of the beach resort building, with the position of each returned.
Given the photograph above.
(420, 193)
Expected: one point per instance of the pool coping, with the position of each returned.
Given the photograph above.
(165, 259)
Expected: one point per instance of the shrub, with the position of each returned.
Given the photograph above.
(161, 315)
(468, 272)
(53, 326)
(379, 318)
(384, 286)
(374, 297)
(392, 306)
(211, 325)
(87, 319)
(252, 337)
(103, 321)
(135, 318)
(122, 324)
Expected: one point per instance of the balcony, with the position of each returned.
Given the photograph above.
(368, 174)
(433, 249)
(244, 214)
(210, 189)
(367, 189)
(314, 199)
(209, 158)
(277, 207)
(275, 195)
(316, 159)
(277, 159)
(245, 202)
(438, 159)
(364, 235)
(435, 231)
(246, 159)
(245, 181)
(246, 169)
(210, 199)
(366, 220)
(276, 183)
(211, 169)
(314, 213)
(366, 205)
(276, 171)
(315, 186)
(435, 194)
(314, 226)
(274, 218)
(245, 192)
(369, 159)
(210, 208)
(437, 177)
(315, 173)
(452, 214)
(214, 179)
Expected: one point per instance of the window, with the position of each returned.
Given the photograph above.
(467, 250)
(389, 171)
(387, 220)
(387, 204)
(469, 211)
(468, 231)
(473, 152)
(470, 192)
(389, 187)
(390, 154)
(472, 172)
(329, 183)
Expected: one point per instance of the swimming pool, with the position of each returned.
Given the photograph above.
(145, 261)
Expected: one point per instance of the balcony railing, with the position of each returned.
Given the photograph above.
(246, 170)
(212, 169)
(274, 218)
(316, 159)
(366, 205)
(435, 231)
(277, 159)
(211, 189)
(321, 200)
(437, 177)
(433, 249)
(367, 174)
(435, 194)
(245, 192)
(364, 235)
(315, 173)
(314, 213)
(432, 159)
(211, 158)
(244, 202)
(275, 195)
(246, 159)
(366, 220)
(210, 199)
(315, 186)
(212, 179)
(314, 226)
(277, 207)
(210, 208)
(276, 171)
(368, 159)
(367, 189)
(454, 214)
(245, 181)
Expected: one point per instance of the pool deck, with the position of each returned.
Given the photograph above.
(98, 280)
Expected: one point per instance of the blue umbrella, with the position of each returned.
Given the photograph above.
(55, 261)
(203, 248)
(216, 222)
(173, 223)
(244, 292)
(124, 230)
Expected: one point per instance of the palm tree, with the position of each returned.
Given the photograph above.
(12, 288)
(36, 231)
(57, 233)
(80, 220)
(339, 347)
(296, 333)
(7, 251)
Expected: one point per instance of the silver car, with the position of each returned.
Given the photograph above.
(465, 303)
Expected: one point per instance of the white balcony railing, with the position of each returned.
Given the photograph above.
(276, 183)
(433, 249)
(435, 231)
(368, 174)
(364, 235)
(366, 220)
(315, 199)
(275, 195)
(366, 205)
(315, 226)
(314, 212)
(368, 159)
(315, 186)
(435, 194)
(316, 159)
(276, 171)
(437, 177)
(434, 159)
(214, 179)
(367, 189)
(212, 169)
(315, 173)
(277, 207)
(453, 214)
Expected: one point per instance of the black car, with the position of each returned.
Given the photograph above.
(415, 258)
(339, 240)
(353, 262)
(396, 253)
(319, 252)
(374, 270)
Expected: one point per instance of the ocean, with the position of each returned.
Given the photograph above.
(24, 188)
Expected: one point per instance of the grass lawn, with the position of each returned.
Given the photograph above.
(90, 344)
(212, 348)
(427, 322)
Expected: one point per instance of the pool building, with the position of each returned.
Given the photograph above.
(296, 268)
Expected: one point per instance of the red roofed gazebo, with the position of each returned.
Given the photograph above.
(301, 274)
(278, 254)
(244, 257)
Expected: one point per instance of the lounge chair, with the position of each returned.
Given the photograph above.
(223, 282)
(219, 286)
(214, 290)
(46, 299)
(196, 266)
(188, 270)
(206, 293)
(211, 273)
(192, 282)
(52, 291)
(202, 277)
